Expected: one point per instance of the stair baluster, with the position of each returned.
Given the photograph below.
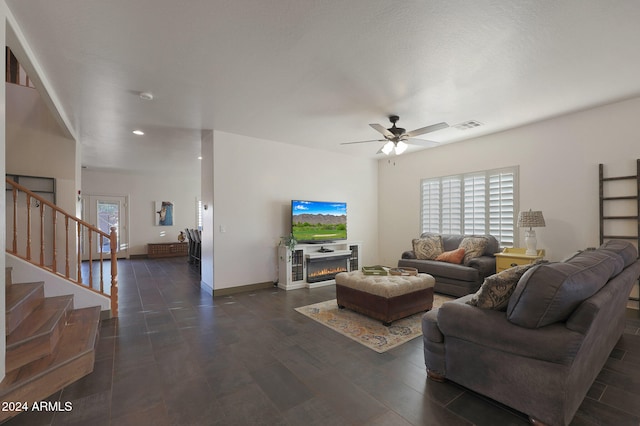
(48, 246)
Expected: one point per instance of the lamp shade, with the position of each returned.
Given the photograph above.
(531, 219)
(400, 147)
(388, 147)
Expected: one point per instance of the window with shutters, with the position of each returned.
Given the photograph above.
(473, 203)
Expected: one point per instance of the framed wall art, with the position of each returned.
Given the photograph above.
(164, 213)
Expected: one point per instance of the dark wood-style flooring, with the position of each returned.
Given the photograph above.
(177, 356)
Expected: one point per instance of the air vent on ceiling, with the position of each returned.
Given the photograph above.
(471, 124)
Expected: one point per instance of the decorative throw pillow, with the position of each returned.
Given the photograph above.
(496, 290)
(453, 256)
(428, 246)
(473, 247)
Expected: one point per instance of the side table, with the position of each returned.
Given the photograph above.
(511, 257)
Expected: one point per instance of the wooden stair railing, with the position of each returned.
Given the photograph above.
(49, 231)
(14, 72)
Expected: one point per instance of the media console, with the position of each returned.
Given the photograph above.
(316, 265)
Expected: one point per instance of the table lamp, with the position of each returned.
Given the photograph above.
(530, 219)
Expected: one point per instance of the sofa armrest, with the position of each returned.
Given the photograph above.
(430, 328)
(486, 265)
(554, 343)
(410, 254)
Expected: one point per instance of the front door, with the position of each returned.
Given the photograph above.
(105, 212)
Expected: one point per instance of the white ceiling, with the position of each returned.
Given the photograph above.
(317, 72)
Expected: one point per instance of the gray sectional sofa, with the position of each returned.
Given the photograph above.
(452, 279)
(542, 354)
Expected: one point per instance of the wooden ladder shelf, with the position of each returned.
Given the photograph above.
(631, 214)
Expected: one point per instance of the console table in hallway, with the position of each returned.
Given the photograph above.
(155, 250)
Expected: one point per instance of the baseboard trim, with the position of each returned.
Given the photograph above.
(242, 289)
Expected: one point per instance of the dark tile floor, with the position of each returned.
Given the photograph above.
(176, 356)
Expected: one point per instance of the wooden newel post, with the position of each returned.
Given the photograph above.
(113, 237)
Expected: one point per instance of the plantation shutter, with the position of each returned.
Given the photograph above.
(431, 205)
(502, 210)
(451, 206)
(474, 203)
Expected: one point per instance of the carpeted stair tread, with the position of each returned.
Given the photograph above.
(37, 334)
(71, 359)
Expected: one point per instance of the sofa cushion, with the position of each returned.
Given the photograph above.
(498, 288)
(452, 242)
(550, 292)
(442, 269)
(493, 246)
(454, 256)
(428, 246)
(587, 258)
(624, 249)
(473, 247)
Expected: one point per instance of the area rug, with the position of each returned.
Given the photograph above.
(368, 331)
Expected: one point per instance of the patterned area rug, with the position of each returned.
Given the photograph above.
(367, 331)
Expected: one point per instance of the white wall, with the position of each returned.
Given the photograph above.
(181, 186)
(37, 146)
(254, 182)
(24, 272)
(3, 17)
(558, 161)
(206, 188)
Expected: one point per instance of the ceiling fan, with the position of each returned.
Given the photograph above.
(397, 137)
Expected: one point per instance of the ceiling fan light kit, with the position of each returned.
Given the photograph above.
(397, 138)
(387, 148)
(401, 147)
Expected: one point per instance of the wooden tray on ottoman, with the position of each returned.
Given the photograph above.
(385, 298)
(374, 270)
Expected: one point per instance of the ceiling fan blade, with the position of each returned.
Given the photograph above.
(421, 142)
(373, 140)
(380, 128)
(427, 129)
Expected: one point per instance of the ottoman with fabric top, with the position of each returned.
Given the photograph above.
(385, 298)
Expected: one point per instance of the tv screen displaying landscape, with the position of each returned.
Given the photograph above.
(317, 221)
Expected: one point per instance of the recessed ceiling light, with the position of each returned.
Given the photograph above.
(199, 157)
(146, 96)
(138, 132)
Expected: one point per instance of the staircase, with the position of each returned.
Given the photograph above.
(49, 344)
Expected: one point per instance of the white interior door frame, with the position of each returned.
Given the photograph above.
(92, 206)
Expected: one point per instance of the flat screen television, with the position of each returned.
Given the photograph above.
(318, 221)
